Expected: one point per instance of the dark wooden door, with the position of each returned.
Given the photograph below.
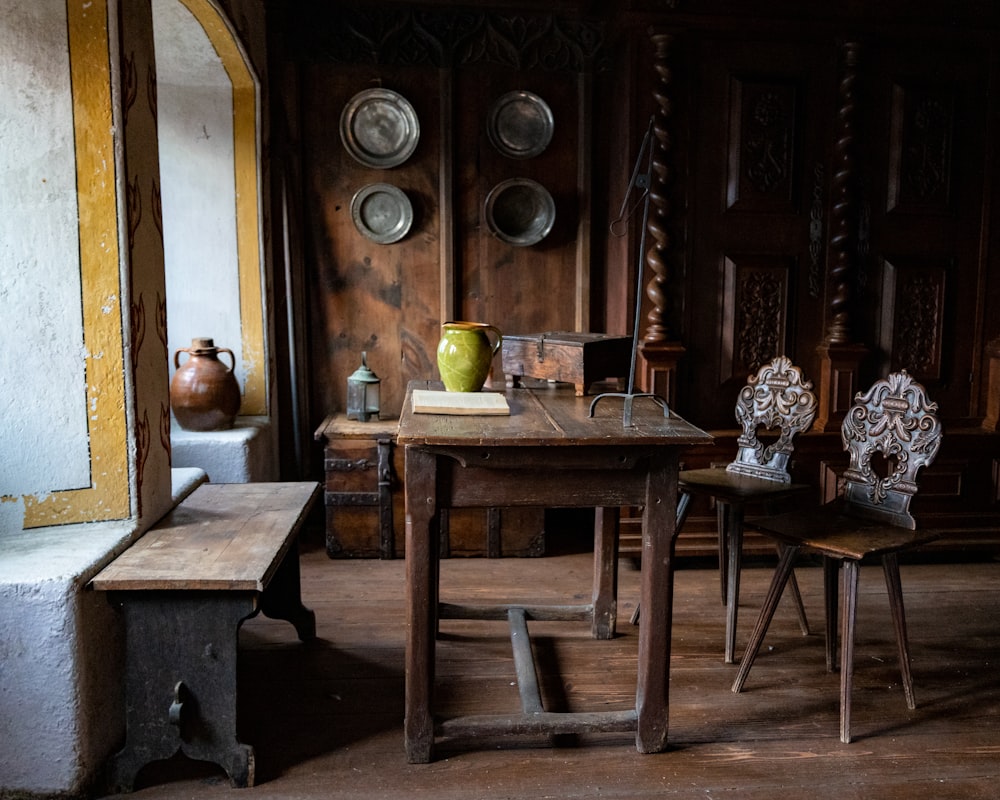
(762, 115)
(922, 194)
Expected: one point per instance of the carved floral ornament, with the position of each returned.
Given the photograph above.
(894, 419)
(776, 397)
(369, 34)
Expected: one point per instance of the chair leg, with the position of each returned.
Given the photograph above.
(734, 545)
(800, 608)
(890, 566)
(830, 568)
(683, 506)
(785, 564)
(723, 523)
(849, 615)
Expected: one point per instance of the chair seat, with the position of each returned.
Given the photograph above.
(832, 531)
(733, 486)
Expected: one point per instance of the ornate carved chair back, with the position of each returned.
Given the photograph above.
(896, 421)
(776, 398)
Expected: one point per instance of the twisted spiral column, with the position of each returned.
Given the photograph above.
(660, 353)
(840, 356)
(658, 329)
(844, 213)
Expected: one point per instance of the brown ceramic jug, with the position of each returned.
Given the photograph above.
(204, 393)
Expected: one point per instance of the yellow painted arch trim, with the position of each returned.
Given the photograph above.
(246, 170)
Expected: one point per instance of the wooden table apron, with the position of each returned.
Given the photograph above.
(548, 452)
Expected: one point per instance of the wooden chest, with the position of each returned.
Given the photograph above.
(578, 358)
(365, 509)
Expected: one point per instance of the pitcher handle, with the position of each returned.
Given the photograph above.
(232, 358)
(499, 341)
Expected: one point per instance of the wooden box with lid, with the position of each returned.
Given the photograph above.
(578, 358)
(364, 501)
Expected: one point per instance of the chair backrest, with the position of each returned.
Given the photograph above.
(777, 397)
(894, 419)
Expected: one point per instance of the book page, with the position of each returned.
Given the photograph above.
(429, 401)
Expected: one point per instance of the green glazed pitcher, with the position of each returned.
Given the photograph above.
(464, 354)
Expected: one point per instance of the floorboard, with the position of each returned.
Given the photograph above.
(326, 718)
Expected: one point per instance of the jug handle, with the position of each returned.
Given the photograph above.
(499, 341)
(177, 356)
(232, 358)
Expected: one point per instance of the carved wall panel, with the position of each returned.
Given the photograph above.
(367, 33)
(946, 480)
(755, 313)
(831, 480)
(920, 148)
(762, 149)
(913, 299)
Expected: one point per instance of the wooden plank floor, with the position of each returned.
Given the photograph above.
(326, 719)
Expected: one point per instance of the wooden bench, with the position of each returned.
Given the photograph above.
(224, 554)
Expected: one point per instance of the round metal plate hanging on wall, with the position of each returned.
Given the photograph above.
(520, 125)
(382, 213)
(379, 128)
(520, 211)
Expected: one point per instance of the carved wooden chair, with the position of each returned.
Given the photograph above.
(890, 432)
(776, 398)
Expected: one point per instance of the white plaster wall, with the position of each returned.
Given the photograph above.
(242, 454)
(61, 654)
(195, 126)
(43, 433)
(55, 684)
(60, 699)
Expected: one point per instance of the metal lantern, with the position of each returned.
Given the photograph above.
(363, 393)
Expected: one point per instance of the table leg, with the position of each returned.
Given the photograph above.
(656, 596)
(605, 599)
(422, 552)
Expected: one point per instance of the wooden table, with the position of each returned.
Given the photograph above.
(227, 552)
(547, 453)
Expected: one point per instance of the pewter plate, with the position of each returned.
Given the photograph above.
(520, 125)
(520, 211)
(382, 213)
(379, 128)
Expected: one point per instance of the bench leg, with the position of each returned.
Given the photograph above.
(282, 599)
(180, 681)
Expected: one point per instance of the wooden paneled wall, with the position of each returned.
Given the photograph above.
(390, 299)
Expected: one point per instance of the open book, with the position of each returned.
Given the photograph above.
(429, 401)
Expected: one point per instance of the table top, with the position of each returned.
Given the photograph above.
(550, 415)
